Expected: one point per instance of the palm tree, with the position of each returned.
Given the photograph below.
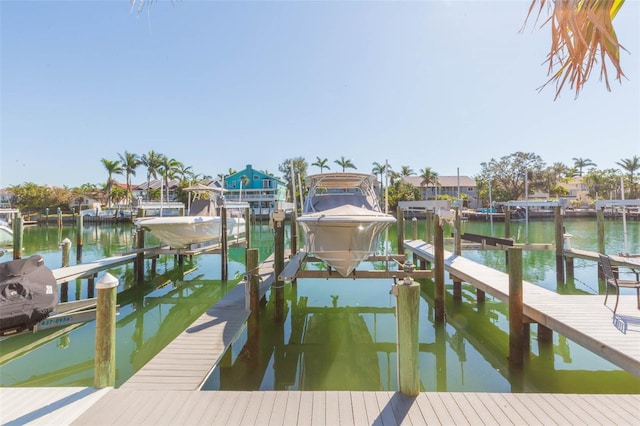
(379, 170)
(345, 164)
(406, 171)
(152, 161)
(185, 172)
(582, 36)
(113, 168)
(631, 165)
(129, 162)
(168, 170)
(322, 163)
(428, 176)
(579, 163)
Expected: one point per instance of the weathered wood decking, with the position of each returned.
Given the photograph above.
(582, 318)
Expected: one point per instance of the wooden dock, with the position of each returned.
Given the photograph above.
(85, 406)
(165, 391)
(185, 363)
(583, 319)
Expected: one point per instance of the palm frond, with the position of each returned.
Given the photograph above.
(582, 38)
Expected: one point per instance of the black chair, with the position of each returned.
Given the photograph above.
(614, 281)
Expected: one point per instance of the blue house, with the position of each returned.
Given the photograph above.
(263, 192)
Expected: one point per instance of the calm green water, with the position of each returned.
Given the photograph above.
(338, 334)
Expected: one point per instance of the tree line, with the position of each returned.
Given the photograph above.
(504, 177)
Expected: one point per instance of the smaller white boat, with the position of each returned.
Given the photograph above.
(342, 220)
(6, 233)
(202, 225)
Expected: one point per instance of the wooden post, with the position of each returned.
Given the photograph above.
(559, 241)
(278, 265)
(105, 352)
(600, 226)
(507, 231)
(400, 219)
(59, 218)
(429, 219)
(253, 282)
(139, 264)
(414, 223)
(457, 284)
(247, 227)
(516, 317)
(224, 257)
(91, 285)
(438, 257)
(294, 231)
(66, 249)
(79, 239)
(408, 314)
(545, 334)
(18, 229)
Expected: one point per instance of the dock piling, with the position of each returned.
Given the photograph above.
(224, 247)
(516, 317)
(105, 350)
(79, 239)
(278, 264)
(18, 229)
(408, 314)
(438, 255)
(139, 262)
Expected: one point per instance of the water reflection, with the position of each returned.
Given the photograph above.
(151, 316)
(336, 344)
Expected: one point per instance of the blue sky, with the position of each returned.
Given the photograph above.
(218, 85)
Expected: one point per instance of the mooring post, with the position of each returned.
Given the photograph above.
(545, 334)
(457, 284)
(252, 302)
(516, 317)
(139, 264)
(559, 242)
(105, 352)
(247, 227)
(408, 314)
(18, 229)
(438, 257)
(278, 264)
(66, 249)
(507, 230)
(600, 225)
(224, 257)
(294, 231)
(79, 239)
(429, 220)
(59, 211)
(400, 219)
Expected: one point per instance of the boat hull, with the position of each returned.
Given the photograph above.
(183, 231)
(343, 241)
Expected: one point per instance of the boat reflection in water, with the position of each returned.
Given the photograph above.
(342, 220)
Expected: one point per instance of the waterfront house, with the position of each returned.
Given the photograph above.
(447, 185)
(578, 191)
(262, 191)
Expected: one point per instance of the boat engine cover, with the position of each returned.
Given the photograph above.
(28, 293)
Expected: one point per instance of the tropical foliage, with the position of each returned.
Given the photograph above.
(582, 37)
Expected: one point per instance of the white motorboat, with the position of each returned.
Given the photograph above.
(341, 219)
(6, 233)
(203, 224)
